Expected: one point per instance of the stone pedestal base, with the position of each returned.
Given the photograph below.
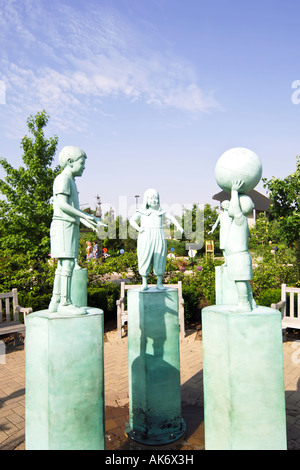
(244, 398)
(64, 404)
(154, 367)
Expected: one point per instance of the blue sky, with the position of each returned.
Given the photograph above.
(153, 90)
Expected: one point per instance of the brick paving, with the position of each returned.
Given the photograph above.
(12, 393)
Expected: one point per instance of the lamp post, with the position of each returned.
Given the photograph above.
(99, 214)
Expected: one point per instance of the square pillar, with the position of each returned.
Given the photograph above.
(64, 401)
(243, 377)
(154, 367)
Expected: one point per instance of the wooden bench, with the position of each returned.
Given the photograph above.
(9, 318)
(122, 313)
(291, 315)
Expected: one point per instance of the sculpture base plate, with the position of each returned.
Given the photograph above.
(161, 440)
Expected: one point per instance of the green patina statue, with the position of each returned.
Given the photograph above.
(237, 172)
(238, 259)
(64, 231)
(152, 244)
(225, 221)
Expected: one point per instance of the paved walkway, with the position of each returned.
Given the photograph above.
(12, 389)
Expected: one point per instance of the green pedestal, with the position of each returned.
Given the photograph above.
(154, 367)
(244, 397)
(64, 404)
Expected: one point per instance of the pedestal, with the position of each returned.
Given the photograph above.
(244, 397)
(154, 367)
(64, 404)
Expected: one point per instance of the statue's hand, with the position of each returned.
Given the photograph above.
(101, 224)
(237, 185)
(96, 222)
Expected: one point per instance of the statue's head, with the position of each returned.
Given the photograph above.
(225, 204)
(150, 194)
(70, 154)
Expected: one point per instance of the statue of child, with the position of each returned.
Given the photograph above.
(152, 244)
(225, 221)
(239, 263)
(64, 231)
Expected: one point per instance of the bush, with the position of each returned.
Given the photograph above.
(270, 274)
(268, 297)
(198, 289)
(105, 297)
(30, 299)
(31, 276)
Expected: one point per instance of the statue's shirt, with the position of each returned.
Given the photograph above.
(64, 184)
(151, 218)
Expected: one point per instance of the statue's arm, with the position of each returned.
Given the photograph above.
(174, 221)
(235, 200)
(215, 225)
(87, 219)
(133, 221)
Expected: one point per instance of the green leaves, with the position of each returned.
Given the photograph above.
(25, 210)
(285, 196)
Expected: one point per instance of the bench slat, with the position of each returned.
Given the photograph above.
(12, 327)
(290, 319)
(6, 295)
(292, 313)
(7, 310)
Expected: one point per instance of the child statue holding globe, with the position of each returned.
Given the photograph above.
(152, 244)
(237, 172)
(64, 230)
(238, 259)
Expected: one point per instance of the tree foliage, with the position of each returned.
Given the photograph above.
(285, 196)
(25, 210)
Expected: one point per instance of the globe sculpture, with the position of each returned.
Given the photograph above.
(238, 164)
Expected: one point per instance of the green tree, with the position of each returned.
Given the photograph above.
(210, 217)
(25, 209)
(285, 207)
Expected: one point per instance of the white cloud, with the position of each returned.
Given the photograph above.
(70, 58)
